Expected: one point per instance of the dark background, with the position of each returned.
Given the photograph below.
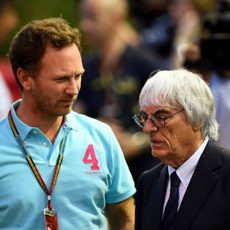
(37, 9)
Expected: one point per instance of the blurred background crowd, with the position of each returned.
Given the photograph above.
(122, 42)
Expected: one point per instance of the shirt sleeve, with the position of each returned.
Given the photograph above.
(121, 185)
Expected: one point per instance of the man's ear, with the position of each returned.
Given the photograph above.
(24, 78)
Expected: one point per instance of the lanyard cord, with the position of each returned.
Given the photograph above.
(32, 165)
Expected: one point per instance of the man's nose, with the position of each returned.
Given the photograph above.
(149, 126)
(73, 87)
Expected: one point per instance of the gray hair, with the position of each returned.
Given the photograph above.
(181, 88)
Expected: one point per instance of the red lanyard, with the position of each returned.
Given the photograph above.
(32, 165)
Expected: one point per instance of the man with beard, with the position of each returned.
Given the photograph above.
(58, 165)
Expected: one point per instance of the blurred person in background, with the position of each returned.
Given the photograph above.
(116, 68)
(211, 57)
(5, 97)
(8, 18)
(58, 167)
(8, 21)
(187, 16)
(167, 26)
(156, 28)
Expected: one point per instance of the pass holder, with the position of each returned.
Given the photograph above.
(51, 220)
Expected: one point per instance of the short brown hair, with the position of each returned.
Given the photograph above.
(29, 44)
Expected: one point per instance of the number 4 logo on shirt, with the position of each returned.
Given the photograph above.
(90, 158)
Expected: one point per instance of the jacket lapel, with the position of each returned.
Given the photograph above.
(158, 200)
(202, 183)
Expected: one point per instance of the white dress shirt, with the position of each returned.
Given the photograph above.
(185, 172)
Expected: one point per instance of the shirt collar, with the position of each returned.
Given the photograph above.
(24, 129)
(186, 170)
(71, 121)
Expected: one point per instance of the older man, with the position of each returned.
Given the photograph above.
(190, 189)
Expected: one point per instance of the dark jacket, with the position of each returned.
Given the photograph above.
(206, 203)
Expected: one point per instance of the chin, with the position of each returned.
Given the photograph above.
(63, 112)
(159, 153)
(66, 110)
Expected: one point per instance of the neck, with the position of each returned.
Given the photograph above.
(48, 124)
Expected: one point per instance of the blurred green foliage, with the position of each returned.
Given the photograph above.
(38, 9)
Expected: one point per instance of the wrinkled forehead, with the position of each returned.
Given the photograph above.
(159, 99)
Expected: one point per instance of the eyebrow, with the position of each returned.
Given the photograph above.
(157, 112)
(80, 73)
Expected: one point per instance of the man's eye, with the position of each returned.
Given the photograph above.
(61, 79)
(160, 117)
